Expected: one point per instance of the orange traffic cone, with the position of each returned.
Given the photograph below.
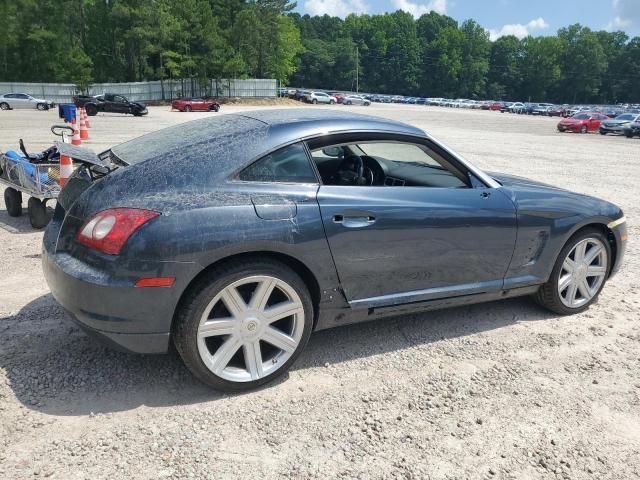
(66, 164)
(84, 133)
(86, 117)
(76, 133)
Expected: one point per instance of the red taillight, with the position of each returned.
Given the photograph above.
(156, 282)
(108, 230)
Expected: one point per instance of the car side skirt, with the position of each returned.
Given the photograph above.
(334, 317)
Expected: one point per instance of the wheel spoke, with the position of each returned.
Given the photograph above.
(233, 301)
(279, 339)
(262, 293)
(580, 251)
(569, 265)
(225, 353)
(253, 359)
(210, 328)
(592, 254)
(282, 310)
(564, 283)
(585, 289)
(571, 293)
(596, 271)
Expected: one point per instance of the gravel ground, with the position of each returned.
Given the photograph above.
(500, 390)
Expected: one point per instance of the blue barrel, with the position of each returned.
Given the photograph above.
(67, 111)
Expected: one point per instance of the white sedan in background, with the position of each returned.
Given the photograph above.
(9, 101)
(355, 100)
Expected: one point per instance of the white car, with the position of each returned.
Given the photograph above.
(355, 100)
(321, 97)
(9, 101)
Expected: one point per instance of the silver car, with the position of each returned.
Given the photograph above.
(9, 101)
(321, 97)
(356, 100)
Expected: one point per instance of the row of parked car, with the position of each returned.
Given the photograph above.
(627, 124)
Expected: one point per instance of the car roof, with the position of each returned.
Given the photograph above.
(222, 144)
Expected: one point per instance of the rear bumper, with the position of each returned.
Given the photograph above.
(112, 309)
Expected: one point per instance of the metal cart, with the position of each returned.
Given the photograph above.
(41, 181)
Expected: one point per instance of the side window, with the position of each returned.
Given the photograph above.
(386, 164)
(287, 165)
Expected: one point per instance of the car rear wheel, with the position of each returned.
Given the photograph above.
(244, 324)
(13, 202)
(4, 106)
(579, 274)
(41, 106)
(187, 108)
(215, 108)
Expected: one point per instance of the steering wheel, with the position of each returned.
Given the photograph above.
(351, 171)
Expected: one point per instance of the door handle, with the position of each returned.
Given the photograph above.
(354, 221)
(485, 195)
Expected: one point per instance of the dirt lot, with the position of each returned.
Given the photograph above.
(501, 390)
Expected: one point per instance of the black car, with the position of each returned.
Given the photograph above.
(111, 103)
(237, 236)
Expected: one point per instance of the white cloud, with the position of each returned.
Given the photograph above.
(335, 8)
(418, 9)
(519, 30)
(626, 15)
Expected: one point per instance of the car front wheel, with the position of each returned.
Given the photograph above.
(244, 324)
(579, 274)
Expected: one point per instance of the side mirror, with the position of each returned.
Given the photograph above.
(332, 151)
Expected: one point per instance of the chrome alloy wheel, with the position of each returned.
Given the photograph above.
(583, 272)
(251, 328)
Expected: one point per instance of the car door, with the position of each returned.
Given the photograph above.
(402, 241)
(119, 104)
(20, 101)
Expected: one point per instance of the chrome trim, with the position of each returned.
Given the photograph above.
(615, 223)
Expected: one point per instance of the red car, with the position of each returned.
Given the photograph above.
(195, 105)
(496, 106)
(339, 96)
(582, 122)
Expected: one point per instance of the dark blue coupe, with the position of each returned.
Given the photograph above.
(236, 236)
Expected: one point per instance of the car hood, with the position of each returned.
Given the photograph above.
(572, 121)
(516, 181)
(616, 122)
(535, 199)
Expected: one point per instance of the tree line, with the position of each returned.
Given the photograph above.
(85, 41)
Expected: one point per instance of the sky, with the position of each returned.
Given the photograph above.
(501, 17)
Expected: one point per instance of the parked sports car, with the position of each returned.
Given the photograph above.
(9, 101)
(110, 103)
(195, 105)
(618, 124)
(236, 236)
(583, 122)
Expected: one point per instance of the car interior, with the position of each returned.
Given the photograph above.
(390, 164)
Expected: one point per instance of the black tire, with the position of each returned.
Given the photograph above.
(314, 101)
(91, 109)
(548, 296)
(584, 129)
(348, 103)
(187, 108)
(13, 202)
(196, 300)
(628, 135)
(602, 132)
(4, 106)
(215, 108)
(37, 213)
(331, 102)
(42, 106)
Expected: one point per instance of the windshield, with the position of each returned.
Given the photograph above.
(626, 116)
(581, 116)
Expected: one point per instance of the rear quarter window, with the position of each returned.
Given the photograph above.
(287, 165)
